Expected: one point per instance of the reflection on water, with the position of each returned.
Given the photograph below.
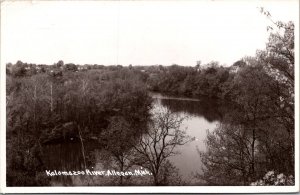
(206, 109)
(202, 115)
(61, 157)
(64, 156)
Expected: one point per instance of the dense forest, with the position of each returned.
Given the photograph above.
(111, 106)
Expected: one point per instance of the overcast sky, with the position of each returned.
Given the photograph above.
(136, 32)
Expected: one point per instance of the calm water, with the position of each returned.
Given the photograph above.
(202, 115)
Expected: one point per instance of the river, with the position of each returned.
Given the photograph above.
(202, 115)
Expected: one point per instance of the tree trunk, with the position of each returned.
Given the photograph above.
(121, 177)
(34, 112)
(155, 175)
(51, 98)
(252, 152)
(82, 147)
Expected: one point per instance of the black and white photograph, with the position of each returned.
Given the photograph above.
(135, 96)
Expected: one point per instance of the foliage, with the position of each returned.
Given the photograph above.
(271, 179)
(188, 81)
(258, 133)
(41, 107)
(227, 160)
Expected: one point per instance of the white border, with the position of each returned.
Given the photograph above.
(181, 189)
(137, 189)
(297, 72)
(2, 116)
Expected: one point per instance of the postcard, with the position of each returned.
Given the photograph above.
(149, 96)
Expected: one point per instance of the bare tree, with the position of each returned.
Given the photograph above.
(159, 142)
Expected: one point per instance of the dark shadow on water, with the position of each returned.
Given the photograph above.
(206, 108)
(68, 155)
(63, 156)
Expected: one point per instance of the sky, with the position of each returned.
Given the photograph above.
(137, 32)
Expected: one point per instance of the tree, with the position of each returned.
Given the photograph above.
(9, 67)
(60, 64)
(18, 69)
(254, 101)
(159, 143)
(278, 60)
(70, 67)
(119, 137)
(239, 64)
(260, 136)
(255, 140)
(197, 67)
(279, 55)
(227, 160)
